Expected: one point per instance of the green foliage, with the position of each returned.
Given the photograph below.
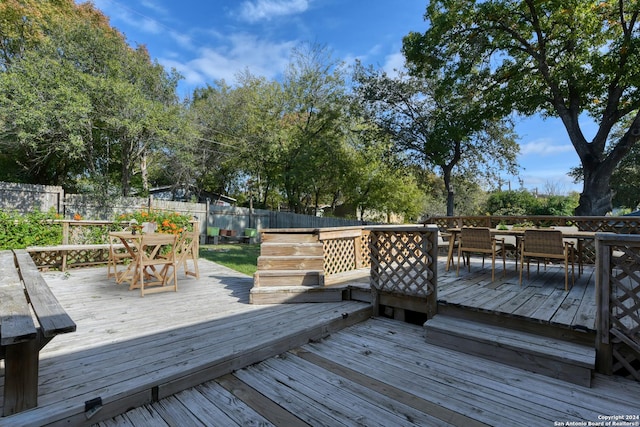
(239, 257)
(555, 58)
(522, 202)
(166, 222)
(556, 205)
(17, 231)
(519, 202)
(625, 181)
(77, 102)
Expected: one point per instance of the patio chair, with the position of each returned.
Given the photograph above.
(444, 244)
(117, 255)
(157, 249)
(479, 241)
(186, 249)
(546, 245)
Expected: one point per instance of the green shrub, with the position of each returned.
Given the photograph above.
(17, 231)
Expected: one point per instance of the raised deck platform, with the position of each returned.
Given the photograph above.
(133, 351)
(129, 351)
(539, 305)
(381, 372)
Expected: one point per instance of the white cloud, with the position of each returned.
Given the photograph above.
(393, 63)
(235, 53)
(129, 16)
(265, 10)
(181, 39)
(544, 147)
(154, 6)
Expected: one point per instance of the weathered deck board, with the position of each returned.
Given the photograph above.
(383, 372)
(126, 343)
(541, 298)
(128, 348)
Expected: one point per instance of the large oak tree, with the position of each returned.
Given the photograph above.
(564, 59)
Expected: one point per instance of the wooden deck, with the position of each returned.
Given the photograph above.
(130, 350)
(133, 351)
(382, 373)
(540, 302)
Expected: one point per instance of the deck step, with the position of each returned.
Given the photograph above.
(289, 249)
(295, 294)
(548, 356)
(291, 262)
(278, 278)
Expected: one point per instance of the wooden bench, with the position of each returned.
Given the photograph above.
(30, 316)
(65, 250)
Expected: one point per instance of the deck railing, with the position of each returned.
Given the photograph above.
(400, 261)
(404, 270)
(345, 249)
(83, 243)
(609, 224)
(612, 224)
(618, 304)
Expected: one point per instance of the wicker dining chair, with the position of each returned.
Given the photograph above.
(545, 245)
(478, 240)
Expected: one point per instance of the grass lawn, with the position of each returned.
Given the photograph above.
(240, 256)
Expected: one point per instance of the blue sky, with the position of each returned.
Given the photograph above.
(206, 40)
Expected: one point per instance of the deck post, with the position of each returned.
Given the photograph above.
(603, 286)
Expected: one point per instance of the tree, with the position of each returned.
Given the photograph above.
(565, 59)
(439, 124)
(312, 138)
(376, 181)
(625, 181)
(76, 101)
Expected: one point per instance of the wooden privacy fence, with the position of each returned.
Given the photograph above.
(618, 304)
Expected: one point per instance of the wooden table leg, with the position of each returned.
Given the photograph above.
(452, 242)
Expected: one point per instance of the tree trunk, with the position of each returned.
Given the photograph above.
(144, 172)
(595, 199)
(446, 176)
(598, 164)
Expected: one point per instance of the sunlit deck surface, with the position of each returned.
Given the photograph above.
(540, 299)
(149, 353)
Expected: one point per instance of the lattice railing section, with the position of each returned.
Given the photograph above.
(345, 249)
(80, 257)
(339, 255)
(365, 251)
(404, 262)
(619, 311)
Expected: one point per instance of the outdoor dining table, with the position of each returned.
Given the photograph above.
(133, 243)
(518, 233)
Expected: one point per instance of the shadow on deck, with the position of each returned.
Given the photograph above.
(149, 353)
